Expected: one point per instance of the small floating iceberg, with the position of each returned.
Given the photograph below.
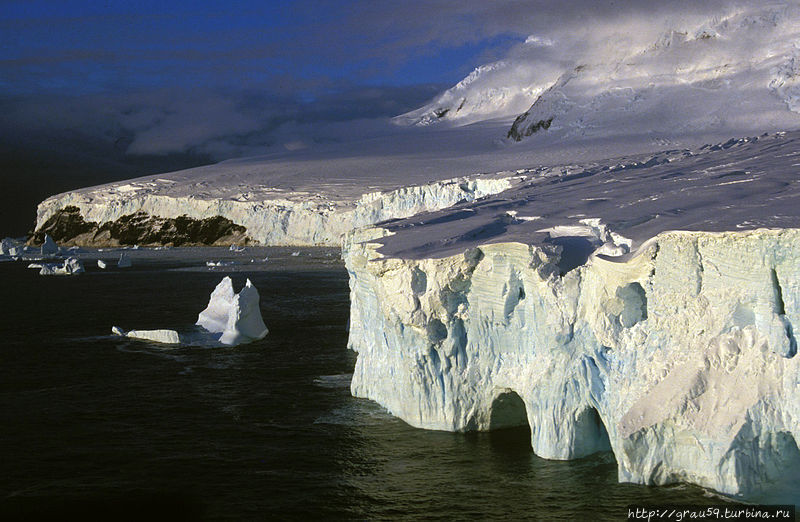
(229, 319)
(70, 266)
(156, 336)
(11, 247)
(236, 317)
(101, 264)
(213, 264)
(49, 247)
(124, 261)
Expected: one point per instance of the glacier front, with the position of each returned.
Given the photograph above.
(662, 328)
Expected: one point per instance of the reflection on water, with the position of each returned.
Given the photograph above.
(102, 426)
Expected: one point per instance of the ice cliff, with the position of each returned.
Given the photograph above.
(661, 328)
(681, 360)
(153, 206)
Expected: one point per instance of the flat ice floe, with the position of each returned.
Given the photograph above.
(229, 319)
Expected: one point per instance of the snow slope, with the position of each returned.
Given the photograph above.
(735, 69)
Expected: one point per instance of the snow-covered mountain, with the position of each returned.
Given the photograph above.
(733, 70)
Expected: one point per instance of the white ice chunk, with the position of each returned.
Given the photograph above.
(71, 266)
(101, 264)
(219, 263)
(124, 261)
(163, 336)
(49, 247)
(244, 318)
(229, 319)
(215, 317)
(10, 247)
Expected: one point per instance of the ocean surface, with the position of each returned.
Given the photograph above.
(108, 428)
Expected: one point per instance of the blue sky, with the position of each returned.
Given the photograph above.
(306, 47)
(238, 77)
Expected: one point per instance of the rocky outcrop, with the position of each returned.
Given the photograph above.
(68, 227)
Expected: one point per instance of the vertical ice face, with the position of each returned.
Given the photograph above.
(680, 360)
(280, 221)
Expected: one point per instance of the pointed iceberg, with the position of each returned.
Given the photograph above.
(215, 317)
(229, 319)
(237, 317)
(124, 261)
(244, 318)
(49, 247)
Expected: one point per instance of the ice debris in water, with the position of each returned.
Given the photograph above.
(70, 266)
(49, 247)
(101, 264)
(219, 263)
(10, 247)
(236, 317)
(124, 261)
(229, 319)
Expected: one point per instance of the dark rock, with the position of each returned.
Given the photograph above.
(68, 227)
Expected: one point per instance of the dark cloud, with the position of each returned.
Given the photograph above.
(217, 123)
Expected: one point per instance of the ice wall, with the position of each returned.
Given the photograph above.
(312, 221)
(681, 360)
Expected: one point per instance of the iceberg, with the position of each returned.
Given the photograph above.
(157, 336)
(10, 247)
(661, 327)
(70, 266)
(681, 359)
(49, 247)
(124, 261)
(236, 317)
(101, 264)
(229, 319)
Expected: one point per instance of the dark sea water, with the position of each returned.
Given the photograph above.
(113, 429)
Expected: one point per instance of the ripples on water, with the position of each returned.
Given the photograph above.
(105, 427)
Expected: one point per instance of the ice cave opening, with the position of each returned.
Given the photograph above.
(508, 423)
(591, 435)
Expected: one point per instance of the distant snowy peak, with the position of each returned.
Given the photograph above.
(499, 89)
(736, 71)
